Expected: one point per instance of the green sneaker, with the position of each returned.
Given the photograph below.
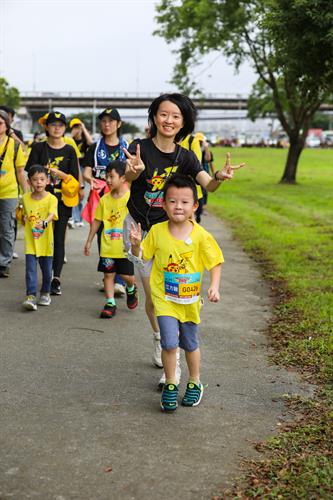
(193, 394)
(169, 396)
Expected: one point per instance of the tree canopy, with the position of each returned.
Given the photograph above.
(288, 42)
(9, 96)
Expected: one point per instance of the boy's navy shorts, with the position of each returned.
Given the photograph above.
(176, 334)
(119, 266)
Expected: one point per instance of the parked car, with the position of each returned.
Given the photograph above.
(312, 141)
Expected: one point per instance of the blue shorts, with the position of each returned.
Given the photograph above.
(176, 334)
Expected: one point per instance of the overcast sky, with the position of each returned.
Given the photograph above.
(99, 46)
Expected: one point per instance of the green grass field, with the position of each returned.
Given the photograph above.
(289, 230)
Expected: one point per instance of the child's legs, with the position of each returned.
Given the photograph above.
(149, 306)
(76, 212)
(125, 270)
(169, 328)
(188, 340)
(193, 364)
(31, 274)
(109, 285)
(45, 263)
(129, 280)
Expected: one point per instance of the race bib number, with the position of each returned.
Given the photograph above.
(182, 288)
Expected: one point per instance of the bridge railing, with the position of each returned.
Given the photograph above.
(103, 95)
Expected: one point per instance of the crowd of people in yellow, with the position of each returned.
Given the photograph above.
(145, 204)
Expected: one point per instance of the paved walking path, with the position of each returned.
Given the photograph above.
(80, 415)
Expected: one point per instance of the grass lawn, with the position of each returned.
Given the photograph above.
(289, 230)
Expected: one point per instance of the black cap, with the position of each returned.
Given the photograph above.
(112, 113)
(55, 116)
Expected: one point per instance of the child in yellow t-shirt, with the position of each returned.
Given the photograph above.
(40, 209)
(181, 250)
(111, 211)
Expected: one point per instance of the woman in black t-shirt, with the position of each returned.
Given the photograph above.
(108, 148)
(55, 153)
(150, 162)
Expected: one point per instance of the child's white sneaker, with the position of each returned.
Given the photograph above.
(119, 290)
(157, 359)
(30, 303)
(44, 299)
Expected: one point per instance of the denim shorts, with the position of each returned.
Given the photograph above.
(176, 334)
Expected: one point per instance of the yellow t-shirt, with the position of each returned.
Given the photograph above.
(112, 211)
(178, 268)
(71, 142)
(195, 147)
(8, 182)
(39, 242)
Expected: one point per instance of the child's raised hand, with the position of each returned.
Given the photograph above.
(213, 294)
(228, 169)
(135, 235)
(134, 162)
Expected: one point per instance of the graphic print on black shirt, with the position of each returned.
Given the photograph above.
(146, 196)
(63, 159)
(98, 171)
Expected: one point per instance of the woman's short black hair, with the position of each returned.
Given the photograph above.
(37, 169)
(181, 181)
(117, 165)
(187, 110)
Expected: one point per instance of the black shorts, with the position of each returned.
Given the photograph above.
(119, 266)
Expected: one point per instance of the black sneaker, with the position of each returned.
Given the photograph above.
(55, 287)
(4, 272)
(108, 311)
(132, 298)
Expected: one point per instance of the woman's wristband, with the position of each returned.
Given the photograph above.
(217, 178)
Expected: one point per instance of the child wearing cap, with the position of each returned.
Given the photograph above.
(40, 210)
(58, 157)
(111, 211)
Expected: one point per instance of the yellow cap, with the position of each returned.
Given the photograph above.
(200, 136)
(74, 121)
(69, 191)
(43, 119)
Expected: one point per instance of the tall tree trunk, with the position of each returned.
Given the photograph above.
(295, 149)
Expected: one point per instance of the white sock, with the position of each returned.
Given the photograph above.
(157, 335)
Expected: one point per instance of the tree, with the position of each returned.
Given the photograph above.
(9, 96)
(288, 42)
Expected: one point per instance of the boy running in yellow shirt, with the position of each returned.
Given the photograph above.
(112, 210)
(181, 250)
(40, 209)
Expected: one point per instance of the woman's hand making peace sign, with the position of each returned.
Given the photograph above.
(227, 171)
(134, 163)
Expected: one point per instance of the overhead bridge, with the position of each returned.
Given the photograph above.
(39, 101)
